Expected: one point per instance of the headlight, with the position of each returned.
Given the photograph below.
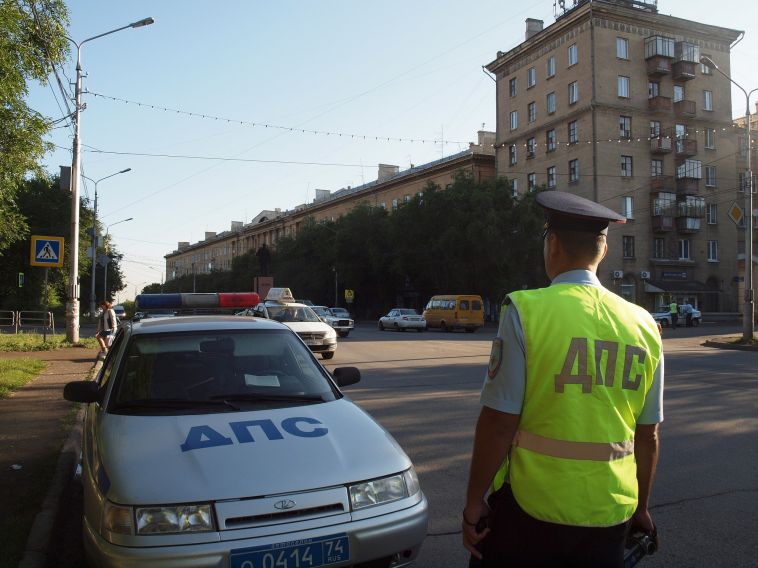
(117, 519)
(175, 519)
(384, 490)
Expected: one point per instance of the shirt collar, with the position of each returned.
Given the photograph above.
(584, 277)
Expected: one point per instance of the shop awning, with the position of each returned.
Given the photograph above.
(661, 286)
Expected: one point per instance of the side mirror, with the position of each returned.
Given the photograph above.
(345, 376)
(82, 391)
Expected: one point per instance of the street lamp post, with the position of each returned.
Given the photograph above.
(92, 298)
(72, 301)
(748, 322)
(107, 258)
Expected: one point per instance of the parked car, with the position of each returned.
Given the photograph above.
(342, 325)
(279, 305)
(663, 315)
(402, 319)
(221, 441)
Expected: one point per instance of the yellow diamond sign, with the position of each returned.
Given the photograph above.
(736, 214)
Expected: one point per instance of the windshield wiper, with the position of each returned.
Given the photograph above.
(172, 403)
(252, 397)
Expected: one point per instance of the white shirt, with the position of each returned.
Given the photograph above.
(505, 392)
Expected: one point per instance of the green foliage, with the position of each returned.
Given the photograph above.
(32, 36)
(34, 342)
(17, 372)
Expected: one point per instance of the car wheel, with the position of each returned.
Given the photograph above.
(470, 330)
(381, 327)
(419, 329)
(327, 354)
(696, 321)
(665, 323)
(343, 333)
(444, 327)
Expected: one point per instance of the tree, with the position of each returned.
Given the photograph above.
(32, 38)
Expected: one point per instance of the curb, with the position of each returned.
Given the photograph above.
(733, 346)
(35, 552)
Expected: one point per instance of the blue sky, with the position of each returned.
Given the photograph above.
(391, 69)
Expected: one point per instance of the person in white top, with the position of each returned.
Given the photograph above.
(107, 324)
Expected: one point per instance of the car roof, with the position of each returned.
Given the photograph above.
(285, 304)
(203, 323)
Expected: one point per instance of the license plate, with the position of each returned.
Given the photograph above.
(313, 342)
(306, 553)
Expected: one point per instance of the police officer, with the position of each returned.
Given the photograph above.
(566, 444)
(674, 311)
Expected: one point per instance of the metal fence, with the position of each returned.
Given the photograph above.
(27, 320)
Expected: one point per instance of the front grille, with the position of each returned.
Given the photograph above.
(306, 335)
(321, 511)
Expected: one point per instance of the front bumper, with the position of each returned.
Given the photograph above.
(396, 535)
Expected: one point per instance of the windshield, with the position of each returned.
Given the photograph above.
(321, 311)
(406, 312)
(341, 312)
(202, 372)
(285, 313)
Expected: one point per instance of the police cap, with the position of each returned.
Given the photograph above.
(571, 212)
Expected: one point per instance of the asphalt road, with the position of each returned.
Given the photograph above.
(424, 387)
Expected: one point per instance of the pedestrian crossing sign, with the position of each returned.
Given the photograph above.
(47, 251)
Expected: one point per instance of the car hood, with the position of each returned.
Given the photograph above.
(179, 459)
(309, 327)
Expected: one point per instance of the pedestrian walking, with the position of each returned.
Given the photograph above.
(566, 443)
(107, 325)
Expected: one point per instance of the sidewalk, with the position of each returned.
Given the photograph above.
(34, 425)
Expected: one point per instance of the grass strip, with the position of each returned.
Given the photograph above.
(17, 372)
(35, 342)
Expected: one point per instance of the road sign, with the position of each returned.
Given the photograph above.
(736, 214)
(46, 251)
(349, 296)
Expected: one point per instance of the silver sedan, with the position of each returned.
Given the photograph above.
(402, 319)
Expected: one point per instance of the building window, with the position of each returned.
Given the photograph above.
(707, 100)
(713, 251)
(664, 203)
(678, 93)
(573, 171)
(531, 77)
(532, 111)
(692, 169)
(627, 205)
(625, 127)
(627, 246)
(659, 248)
(626, 166)
(711, 211)
(573, 132)
(704, 69)
(530, 146)
(550, 103)
(550, 140)
(656, 168)
(710, 176)
(383, 205)
(655, 129)
(622, 84)
(531, 181)
(573, 92)
(513, 86)
(512, 156)
(684, 249)
(573, 55)
(551, 66)
(394, 204)
(622, 48)
(710, 138)
(659, 45)
(653, 89)
(514, 188)
(551, 177)
(514, 119)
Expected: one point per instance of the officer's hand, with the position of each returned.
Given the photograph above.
(642, 521)
(474, 529)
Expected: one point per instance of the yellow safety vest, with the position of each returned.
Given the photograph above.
(673, 308)
(590, 357)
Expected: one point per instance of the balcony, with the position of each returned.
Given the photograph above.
(660, 145)
(662, 223)
(686, 147)
(687, 185)
(658, 66)
(684, 109)
(687, 224)
(683, 70)
(662, 183)
(659, 103)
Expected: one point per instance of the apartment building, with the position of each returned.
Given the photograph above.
(610, 102)
(389, 191)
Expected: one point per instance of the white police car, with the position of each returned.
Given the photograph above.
(281, 306)
(221, 441)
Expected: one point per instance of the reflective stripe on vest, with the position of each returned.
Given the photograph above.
(566, 449)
